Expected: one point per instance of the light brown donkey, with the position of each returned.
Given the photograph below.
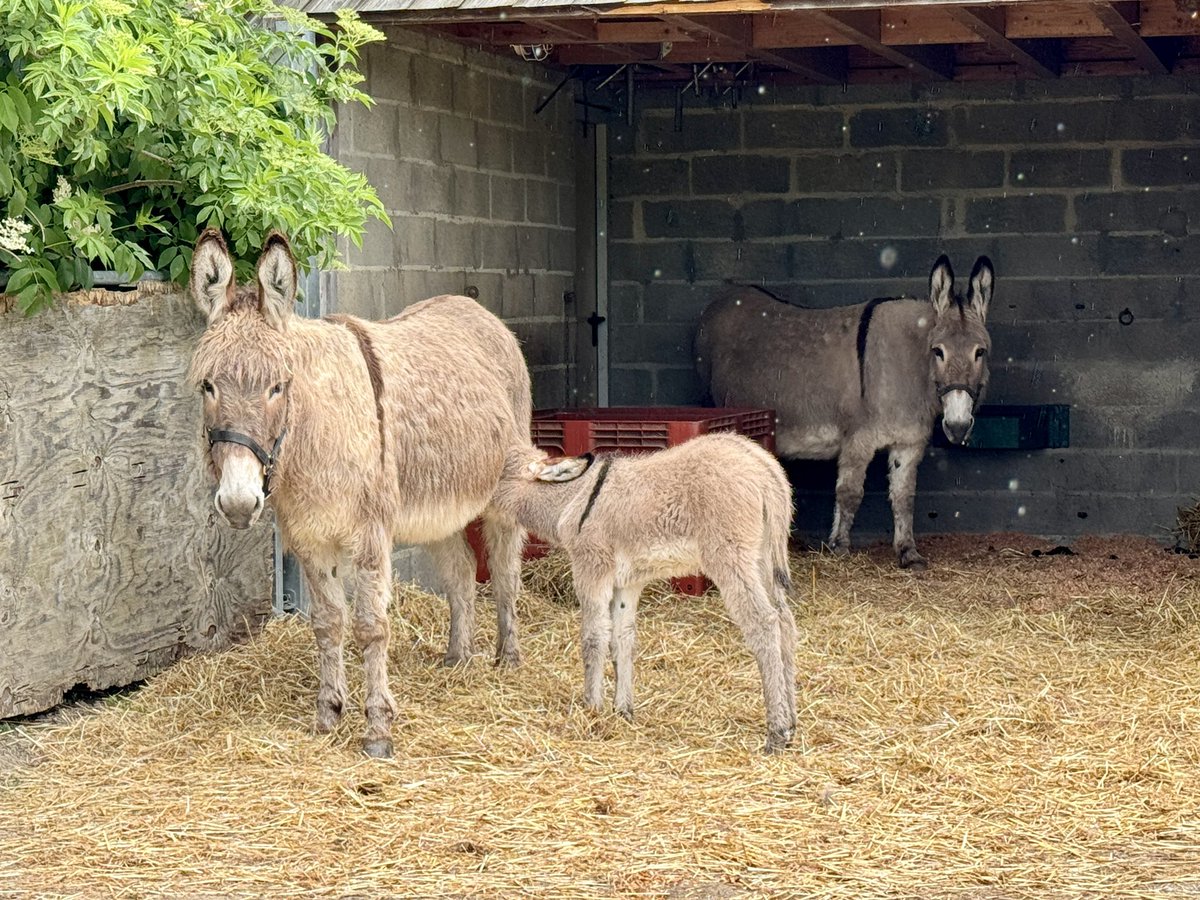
(363, 434)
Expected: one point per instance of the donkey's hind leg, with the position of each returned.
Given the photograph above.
(505, 541)
(902, 487)
(328, 617)
(455, 565)
(373, 590)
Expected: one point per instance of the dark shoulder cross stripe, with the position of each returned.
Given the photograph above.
(864, 323)
(601, 474)
(374, 370)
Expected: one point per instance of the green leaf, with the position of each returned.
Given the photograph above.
(8, 113)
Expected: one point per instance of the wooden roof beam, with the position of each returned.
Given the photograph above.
(863, 27)
(822, 65)
(1041, 58)
(1120, 26)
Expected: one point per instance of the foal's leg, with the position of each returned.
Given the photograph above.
(852, 472)
(623, 613)
(902, 487)
(777, 586)
(751, 607)
(505, 540)
(595, 592)
(328, 617)
(455, 564)
(373, 590)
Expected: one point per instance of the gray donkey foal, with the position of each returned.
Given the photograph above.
(849, 381)
(718, 504)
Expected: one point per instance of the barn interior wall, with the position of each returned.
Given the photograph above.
(480, 190)
(1085, 194)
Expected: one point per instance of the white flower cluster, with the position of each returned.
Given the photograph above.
(62, 190)
(12, 235)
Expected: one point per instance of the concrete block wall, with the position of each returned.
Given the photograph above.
(1085, 194)
(480, 190)
(481, 194)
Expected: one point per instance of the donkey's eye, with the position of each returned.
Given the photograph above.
(939, 352)
(277, 389)
(207, 387)
(980, 353)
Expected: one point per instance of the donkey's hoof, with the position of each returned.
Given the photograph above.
(909, 558)
(839, 549)
(625, 713)
(455, 658)
(379, 748)
(328, 715)
(777, 740)
(509, 659)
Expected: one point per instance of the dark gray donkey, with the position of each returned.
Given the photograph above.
(847, 382)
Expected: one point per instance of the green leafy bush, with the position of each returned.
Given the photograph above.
(125, 127)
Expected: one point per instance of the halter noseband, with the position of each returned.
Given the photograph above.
(268, 460)
(944, 389)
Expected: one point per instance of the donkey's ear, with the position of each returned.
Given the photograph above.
(979, 294)
(277, 280)
(211, 280)
(561, 468)
(941, 284)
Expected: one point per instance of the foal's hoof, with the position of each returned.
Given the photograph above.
(839, 549)
(381, 748)
(510, 659)
(455, 658)
(909, 558)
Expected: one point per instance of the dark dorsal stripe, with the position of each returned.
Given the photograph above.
(600, 476)
(374, 371)
(864, 323)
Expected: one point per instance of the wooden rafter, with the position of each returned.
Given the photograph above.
(1043, 59)
(821, 65)
(1121, 28)
(862, 26)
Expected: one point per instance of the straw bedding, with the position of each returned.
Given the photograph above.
(1004, 725)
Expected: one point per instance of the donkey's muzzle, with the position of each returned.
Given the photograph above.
(958, 413)
(239, 498)
(957, 432)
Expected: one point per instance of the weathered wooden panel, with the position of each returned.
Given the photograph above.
(111, 562)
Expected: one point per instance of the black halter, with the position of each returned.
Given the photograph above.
(268, 460)
(944, 389)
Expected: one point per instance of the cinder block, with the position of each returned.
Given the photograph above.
(631, 177)
(1020, 214)
(647, 262)
(417, 136)
(947, 170)
(548, 291)
(838, 218)
(415, 241)
(793, 128)
(375, 129)
(625, 304)
(658, 343)
(431, 190)
(629, 386)
(457, 244)
(356, 294)
(378, 247)
(458, 141)
(1148, 255)
(862, 259)
(389, 73)
(544, 344)
(1161, 166)
(508, 199)
(529, 156)
(549, 387)
(562, 250)
(912, 126)
(498, 247)
(518, 297)
(846, 173)
(391, 179)
(675, 302)
(678, 387)
(689, 218)
(533, 248)
(489, 288)
(507, 101)
(740, 174)
(566, 205)
(471, 93)
(495, 144)
(1173, 212)
(1028, 169)
(1100, 121)
(560, 157)
(702, 131)
(745, 262)
(433, 83)
(541, 201)
(471, 194)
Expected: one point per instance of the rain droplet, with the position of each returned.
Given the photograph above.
(762, 89)
(1020, 176)
(1020, 510)
(1060, 127)
(658, 273)
(887, 257)
(922, 322)
(1013, 484)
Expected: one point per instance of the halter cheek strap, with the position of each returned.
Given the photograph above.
(268, 460)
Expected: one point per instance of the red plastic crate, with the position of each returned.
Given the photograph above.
(634, 429)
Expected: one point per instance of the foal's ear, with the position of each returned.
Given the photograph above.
(941, 285)
(211, 280)
(561, 468)
(277, 281)
(979, 294)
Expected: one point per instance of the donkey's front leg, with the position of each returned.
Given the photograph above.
(902, 487)
(455, 565)
(852, 472)
(328, 617)
(623, 613)
(595, 598)
(373, 590)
